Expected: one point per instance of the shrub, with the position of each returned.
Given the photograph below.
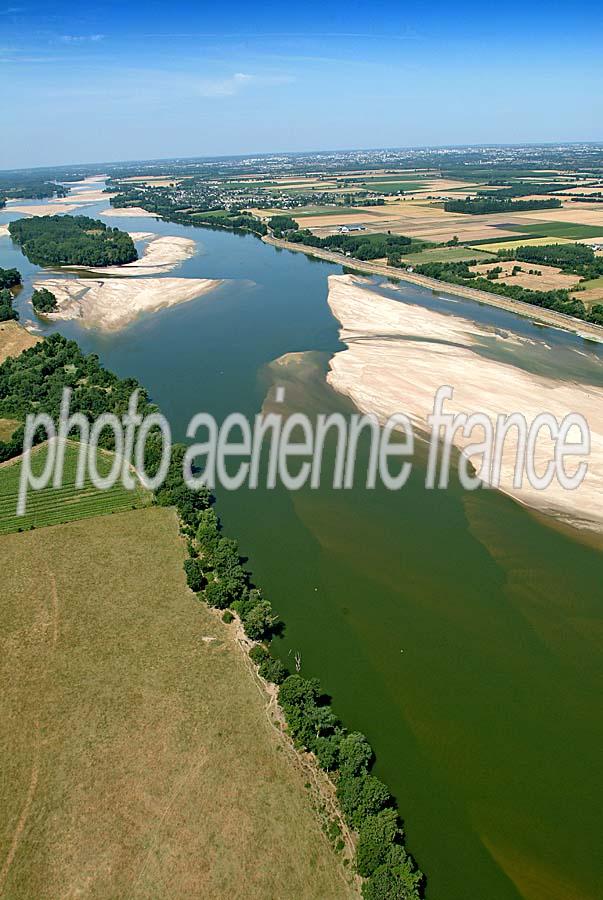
(194, 575)
(228, 617)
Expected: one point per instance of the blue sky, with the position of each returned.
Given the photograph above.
(116, 81)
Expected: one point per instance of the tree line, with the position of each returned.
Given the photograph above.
(557, 300)
(72, 240)
(481, 207)
(215, 572)
(9, 278)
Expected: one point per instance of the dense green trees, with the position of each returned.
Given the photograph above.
(34, 381)
(43, 301)
(523, 190)
(72, 241)
(577, 259)
(9, 278)
(360, 246)
(6, 306)
(481, 207)
(23, 186)
(281, 224)
(364, 800)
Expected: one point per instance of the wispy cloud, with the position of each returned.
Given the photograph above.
(82, 38)
(228, 87)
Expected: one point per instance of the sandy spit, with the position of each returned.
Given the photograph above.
(112, 304)
(399, 354)
(126, 212)
(161, 255)
(3, 231)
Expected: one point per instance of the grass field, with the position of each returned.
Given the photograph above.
(513, 243)
(66, 504)
(392, 187)
(450, 254)
(137, 759)
(570, 230)
(7, 428)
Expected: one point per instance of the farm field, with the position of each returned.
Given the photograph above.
(450, 254)
(550, 278)
(513, 244)
(137, 757)
(14, 339)
(572, 230)
(66, 504)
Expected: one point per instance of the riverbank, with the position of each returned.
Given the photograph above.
(526, 310)
(112, 304)
(399, 354)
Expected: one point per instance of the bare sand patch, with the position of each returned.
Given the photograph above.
(398, 356)
(129, 211)
(14, 339)
(42, 209)
(161, 255)
(550, 278)
(4, 231)
(112, 304)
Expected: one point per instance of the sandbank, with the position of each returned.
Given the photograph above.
(114, 303)
(398, 355)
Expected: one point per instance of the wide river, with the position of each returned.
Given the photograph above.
(461, 634)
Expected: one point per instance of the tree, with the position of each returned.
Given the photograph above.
(43, 301)
(375, 839)
(355, 754)
(259, 621)
(194, 575)
(361, 796)
(393, 883)
(6, 306)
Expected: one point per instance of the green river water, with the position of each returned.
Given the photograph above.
(460, 633)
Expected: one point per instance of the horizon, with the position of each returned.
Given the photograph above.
(239, 82)
(307, 152)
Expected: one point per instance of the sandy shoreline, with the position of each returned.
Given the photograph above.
(3, 231)
(126, 212)
(161, 254)
(112, 304)
(526, 310)
(383, 375)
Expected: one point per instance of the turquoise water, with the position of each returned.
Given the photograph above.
(461, 634)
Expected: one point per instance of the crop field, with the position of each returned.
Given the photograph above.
(14, 339)
(450, 254)
(549, 278)
(67, 503)
(513, 243)
(571, 230)
(137, 759)
(392, 187)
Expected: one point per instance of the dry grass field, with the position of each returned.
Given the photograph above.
(14, 339)
(550, 278)
(137, 758)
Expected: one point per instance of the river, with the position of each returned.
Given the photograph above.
(460, 633)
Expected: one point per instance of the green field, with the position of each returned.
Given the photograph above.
(449, 254)
(570, 230)
(65, 504)
(593, 284)
(392, 187)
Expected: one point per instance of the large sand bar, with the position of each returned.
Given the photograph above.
(399, 354)
(113, 303)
